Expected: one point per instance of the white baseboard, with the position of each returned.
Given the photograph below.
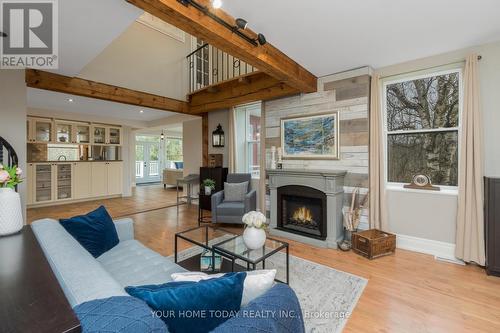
(440, 250)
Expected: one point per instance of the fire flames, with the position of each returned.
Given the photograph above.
(303, 215)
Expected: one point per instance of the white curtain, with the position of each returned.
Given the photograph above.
(232, 141)
(377, 195)
(470, 222)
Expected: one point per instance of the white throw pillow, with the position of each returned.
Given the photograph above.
(256, 284)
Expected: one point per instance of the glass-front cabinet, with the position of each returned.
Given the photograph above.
(43, 183)
(64, 132)
(64, 181)
(114, 135)
(99, 135)
(82, 133)
(39, 130)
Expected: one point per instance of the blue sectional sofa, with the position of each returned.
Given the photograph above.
(94, 287)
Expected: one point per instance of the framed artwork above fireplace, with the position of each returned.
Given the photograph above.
(311, 137)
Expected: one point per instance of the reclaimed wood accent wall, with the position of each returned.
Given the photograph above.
(350, 97)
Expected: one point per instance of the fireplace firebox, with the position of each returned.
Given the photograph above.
(302, 210)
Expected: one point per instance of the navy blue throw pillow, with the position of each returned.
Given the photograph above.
(179, 165)
(194, 307)
(95, 231)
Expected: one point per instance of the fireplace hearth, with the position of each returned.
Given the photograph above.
(302, 210)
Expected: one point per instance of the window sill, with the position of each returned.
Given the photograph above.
(400, 188)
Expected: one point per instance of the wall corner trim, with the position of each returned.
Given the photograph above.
(438, 249)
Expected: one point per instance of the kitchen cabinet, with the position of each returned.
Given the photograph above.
(50, 182)
(43, 183)
(64, 132)
(64, 181)
(39, 130)
(106, 135)
(54, 182)
(98, 134)
(29, 183)
(115, 181)
(99, 179)
(82, 133)
(114, 136)
(82, 180)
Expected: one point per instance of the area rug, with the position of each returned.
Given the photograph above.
(327, 296)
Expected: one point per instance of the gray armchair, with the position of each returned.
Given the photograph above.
(233, 211)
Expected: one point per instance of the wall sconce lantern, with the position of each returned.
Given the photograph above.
(218, 137)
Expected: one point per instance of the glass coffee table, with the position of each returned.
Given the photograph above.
(235, 248)
(214, 243)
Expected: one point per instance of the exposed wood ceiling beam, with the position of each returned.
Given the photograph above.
(256, 86)
(81, 87)
(266, 58)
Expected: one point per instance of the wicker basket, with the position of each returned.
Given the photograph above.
(373, 243)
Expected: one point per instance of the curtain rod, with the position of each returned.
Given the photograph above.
(479, 57)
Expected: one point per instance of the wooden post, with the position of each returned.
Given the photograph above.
(205, 138)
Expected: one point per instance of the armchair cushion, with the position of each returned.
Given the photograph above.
(231, 208)
(235, 191)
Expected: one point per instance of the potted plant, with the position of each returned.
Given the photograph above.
(209, 185)
(11, 218)
(254, 235)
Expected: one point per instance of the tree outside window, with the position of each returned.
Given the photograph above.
(422, 124)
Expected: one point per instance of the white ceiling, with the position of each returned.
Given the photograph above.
(50, 100)
(86, 27)
(329, 36)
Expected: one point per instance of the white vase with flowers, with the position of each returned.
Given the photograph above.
(254, 235)
(11, 217)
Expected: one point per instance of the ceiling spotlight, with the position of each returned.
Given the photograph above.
(216, 4)
(162, 135)
(261, 39)
(70, 100)
(3, 34)
(142, 111)
(241, 23)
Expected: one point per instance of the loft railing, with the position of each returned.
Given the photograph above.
(8, 152)
(208, 65)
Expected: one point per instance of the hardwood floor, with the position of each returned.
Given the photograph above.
(406, 292)
(144, 198)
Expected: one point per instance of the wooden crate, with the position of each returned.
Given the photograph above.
(373, 243)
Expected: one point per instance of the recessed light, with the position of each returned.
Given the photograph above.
(216, 4)
(70, 100)
(142, 111)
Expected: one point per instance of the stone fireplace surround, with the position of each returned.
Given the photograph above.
(330, 182)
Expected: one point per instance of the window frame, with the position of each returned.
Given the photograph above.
(445, 189)
(247, 109)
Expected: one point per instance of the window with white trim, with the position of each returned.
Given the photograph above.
(248, 134)
(422, 121)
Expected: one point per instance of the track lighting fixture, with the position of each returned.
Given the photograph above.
(241, 23)
(162, 135)
(261, 39)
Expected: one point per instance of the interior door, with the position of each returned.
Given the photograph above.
(147, 162)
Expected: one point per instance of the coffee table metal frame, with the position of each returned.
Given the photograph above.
(216, 248)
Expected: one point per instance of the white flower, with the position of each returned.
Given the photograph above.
(19, 171)
(254, 219)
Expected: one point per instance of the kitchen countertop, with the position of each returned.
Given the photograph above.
(32, 162)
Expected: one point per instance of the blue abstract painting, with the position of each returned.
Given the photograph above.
(310, 137)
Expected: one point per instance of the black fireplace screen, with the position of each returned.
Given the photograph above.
(302, 210)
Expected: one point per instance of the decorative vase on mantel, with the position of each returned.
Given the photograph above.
(11, 217)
